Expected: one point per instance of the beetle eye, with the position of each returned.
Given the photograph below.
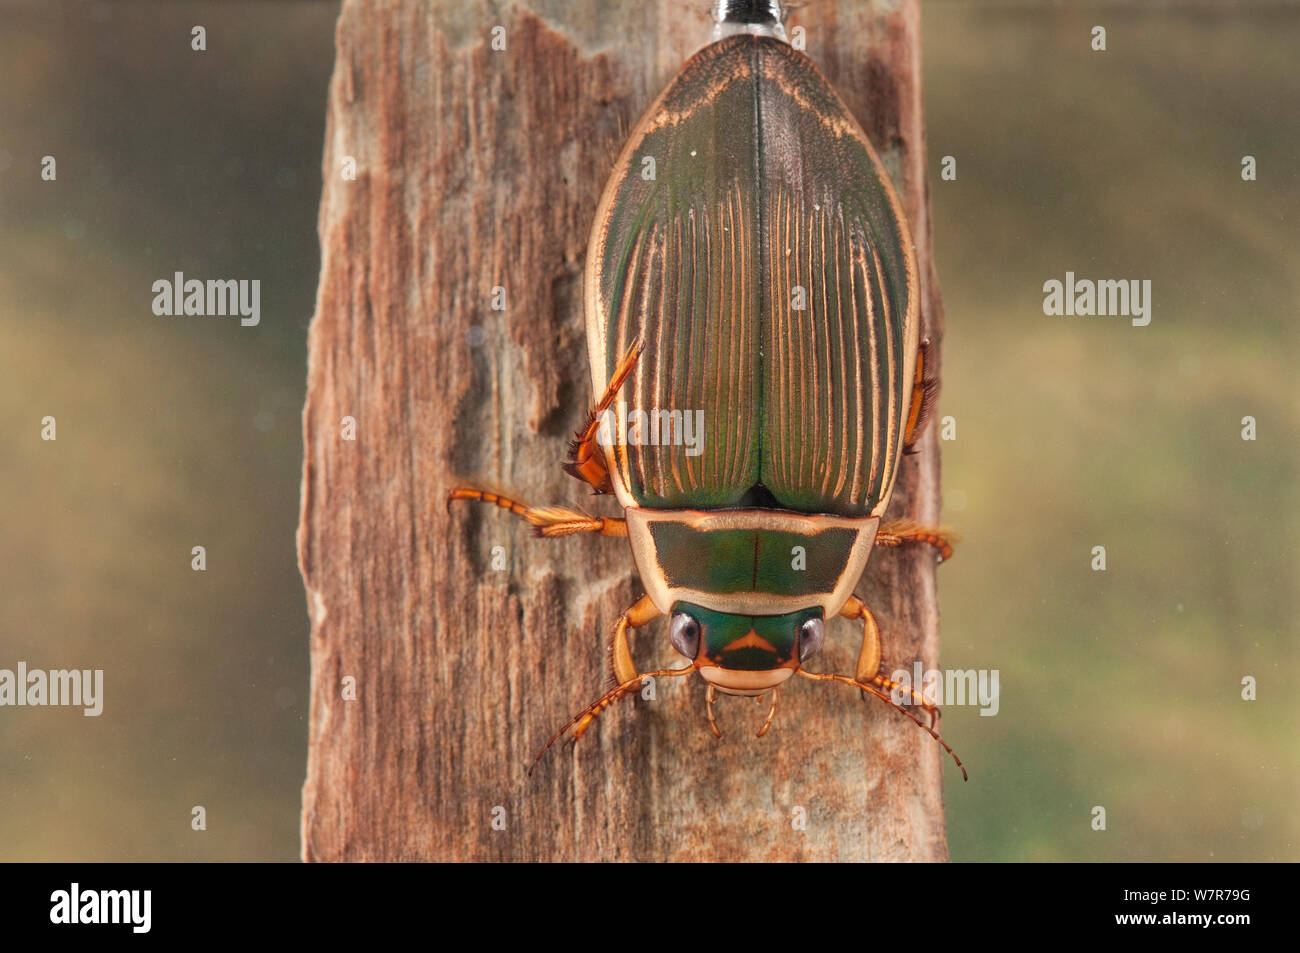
(685, 634)
(811, 636)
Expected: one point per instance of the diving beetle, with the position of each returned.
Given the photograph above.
(749, 257)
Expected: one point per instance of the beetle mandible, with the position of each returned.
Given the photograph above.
(763, 273)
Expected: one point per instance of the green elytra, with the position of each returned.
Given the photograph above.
(749, 259)
(767, 266)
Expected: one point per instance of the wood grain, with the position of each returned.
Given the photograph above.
(478, 169)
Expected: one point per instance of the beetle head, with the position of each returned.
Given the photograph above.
(745, 654)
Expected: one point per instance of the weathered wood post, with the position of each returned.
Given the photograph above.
(465, 152)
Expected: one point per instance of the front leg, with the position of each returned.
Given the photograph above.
(642, 612)
(868, 668)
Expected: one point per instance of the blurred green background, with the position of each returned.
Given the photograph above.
(1119, 688)
(172, 432)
